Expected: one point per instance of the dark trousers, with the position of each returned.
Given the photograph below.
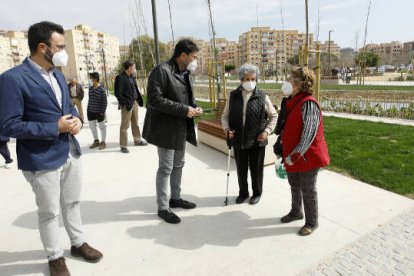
(4, 151)
(252, 159)
(303, 186)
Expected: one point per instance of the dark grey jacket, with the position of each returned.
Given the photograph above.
(246, 134)
(126, 91)
(166, 124)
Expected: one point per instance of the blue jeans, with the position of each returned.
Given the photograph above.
(170, 166)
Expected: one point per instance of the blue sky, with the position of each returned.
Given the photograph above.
(389, 20)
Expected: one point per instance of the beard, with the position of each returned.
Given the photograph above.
(48, 56)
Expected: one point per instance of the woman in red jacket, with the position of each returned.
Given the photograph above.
(304, 149)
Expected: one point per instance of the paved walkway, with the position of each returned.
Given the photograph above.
(119, 216)
(388, 250)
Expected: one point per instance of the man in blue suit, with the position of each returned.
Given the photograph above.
(35, 108)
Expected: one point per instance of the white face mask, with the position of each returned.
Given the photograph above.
(249, 85)
(287, 88)
(60, 58)
(192, 66)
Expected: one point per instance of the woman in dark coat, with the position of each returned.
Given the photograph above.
(248, 118)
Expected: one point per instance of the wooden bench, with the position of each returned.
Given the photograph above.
(214, 127)
(210, 132)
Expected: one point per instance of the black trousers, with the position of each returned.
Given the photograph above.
(252, 159)
(4, 151)
(303, 187)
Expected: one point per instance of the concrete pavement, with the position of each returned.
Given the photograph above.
(119, 216)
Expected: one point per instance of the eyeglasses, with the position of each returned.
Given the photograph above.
(59, 47)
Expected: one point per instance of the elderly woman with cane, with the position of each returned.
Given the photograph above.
(248, 118)
(304, 149)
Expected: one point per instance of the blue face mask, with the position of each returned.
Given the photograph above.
(90, 82)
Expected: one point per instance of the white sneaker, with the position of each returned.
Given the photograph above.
(8, 165)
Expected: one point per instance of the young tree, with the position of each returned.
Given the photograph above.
(142, 48)
(367, 59)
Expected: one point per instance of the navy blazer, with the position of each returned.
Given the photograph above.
(29, 112)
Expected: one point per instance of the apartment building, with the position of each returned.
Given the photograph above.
(269, 49)
(389, 53)
(90, 51)
(334, 48)
(124, 51)
(14, 49)
(407, 55)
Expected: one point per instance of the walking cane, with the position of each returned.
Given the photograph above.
(228, 171)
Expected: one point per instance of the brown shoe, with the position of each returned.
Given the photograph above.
(141, 143)
(95, 144)
(58, 267)
(291, 217)
(102, 145)
(307, 230)
(87, 252)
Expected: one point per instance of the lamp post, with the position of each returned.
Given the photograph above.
(154, 20)
(102, 50)
(329, 51)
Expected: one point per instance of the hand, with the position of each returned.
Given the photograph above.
(66, 123)
(230, 133)
(288, 161)
(199, 111)
(292, 158)
(77, 126)
(262, 137)
(191, 112)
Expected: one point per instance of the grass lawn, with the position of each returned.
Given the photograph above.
(375, 153)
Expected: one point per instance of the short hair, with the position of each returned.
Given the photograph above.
(185, 46)
(304, 76)
(127, 64)
(247, 69)
(41, 33)
(94, 76)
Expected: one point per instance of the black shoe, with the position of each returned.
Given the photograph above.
(241, 198)
(181, 203)
(169, 216)
(290, 217)
(307, 230)
(254, 200)
(124, 150)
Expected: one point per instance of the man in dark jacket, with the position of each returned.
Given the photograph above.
(76, 95)
(128, 95)
(169, 123)
(5, 152)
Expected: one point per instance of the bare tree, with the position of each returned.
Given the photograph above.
(363, 62)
